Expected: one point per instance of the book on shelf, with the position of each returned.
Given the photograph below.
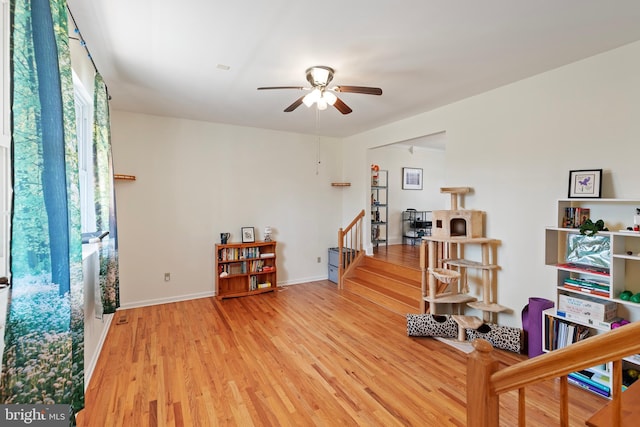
(588, 286)
(591, 378)
(587, 306)
(590, 291)
(267, 255)
(561, 333)
(238, 268)
(588, 283)
(600, 324)
(588, 384)
(575, 217)
(584, 268)
(264, 285)
(257, 266)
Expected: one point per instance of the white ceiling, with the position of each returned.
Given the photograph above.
(162, 57)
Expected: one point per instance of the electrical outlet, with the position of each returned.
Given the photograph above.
(167, 277)
(319, 260)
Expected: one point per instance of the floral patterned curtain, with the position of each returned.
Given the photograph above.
(44, 348)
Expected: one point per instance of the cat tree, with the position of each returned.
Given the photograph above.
(446, 269)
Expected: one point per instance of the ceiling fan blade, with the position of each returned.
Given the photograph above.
(295, 105)
(342, 107)
(359, 89)
(282, 87)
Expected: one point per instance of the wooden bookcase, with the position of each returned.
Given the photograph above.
(245, 269)
(622, 273)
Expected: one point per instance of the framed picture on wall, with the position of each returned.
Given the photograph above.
(248, 235)
(411, 179)
(585, 184)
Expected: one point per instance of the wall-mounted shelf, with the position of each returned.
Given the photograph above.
(341, 184)
(124, 177)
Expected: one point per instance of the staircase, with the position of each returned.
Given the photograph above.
(396, 287)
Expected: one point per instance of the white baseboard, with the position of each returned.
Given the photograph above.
(168, 300)
(88, 369)
(304, 280)
(178, 298)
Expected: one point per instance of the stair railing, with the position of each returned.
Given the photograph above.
(350, 246)
(485, 383)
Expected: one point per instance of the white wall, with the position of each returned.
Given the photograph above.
(196, 180)
(395, 157)
(515, 147)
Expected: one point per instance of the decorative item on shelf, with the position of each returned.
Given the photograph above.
(586, 183)
(636, 220)
(590, 228)
(224, 238)
(267, 233)
(625, 295)
(248, 235)
(622, 322)
(374, 174)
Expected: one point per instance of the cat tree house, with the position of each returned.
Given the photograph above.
(446, 270)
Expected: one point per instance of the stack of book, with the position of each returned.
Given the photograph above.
(597, 383)
(587, 310)
(588, 286)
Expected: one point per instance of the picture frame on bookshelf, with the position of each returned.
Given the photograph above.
(248, 234)
(585, 184)
(412, 178)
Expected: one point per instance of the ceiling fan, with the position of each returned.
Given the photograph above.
(319, 77)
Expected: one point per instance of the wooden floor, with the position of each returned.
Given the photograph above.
(305, 355)
(405, 255)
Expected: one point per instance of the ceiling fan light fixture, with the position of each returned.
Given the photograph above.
(329, 98)
(319, 75)
(312, 97)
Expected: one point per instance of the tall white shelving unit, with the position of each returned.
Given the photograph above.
(623, 272)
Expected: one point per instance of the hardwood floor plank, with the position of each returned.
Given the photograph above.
(307, 354)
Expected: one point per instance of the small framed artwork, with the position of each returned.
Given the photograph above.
(585, 184)
(411, 179)
(248, 235)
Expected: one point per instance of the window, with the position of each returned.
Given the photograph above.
(84, 130)
(5, 145)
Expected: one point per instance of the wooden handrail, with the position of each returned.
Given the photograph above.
(349, 246)
(485, 383)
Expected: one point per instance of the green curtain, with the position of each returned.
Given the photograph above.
(44, 348)
(105, 200)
